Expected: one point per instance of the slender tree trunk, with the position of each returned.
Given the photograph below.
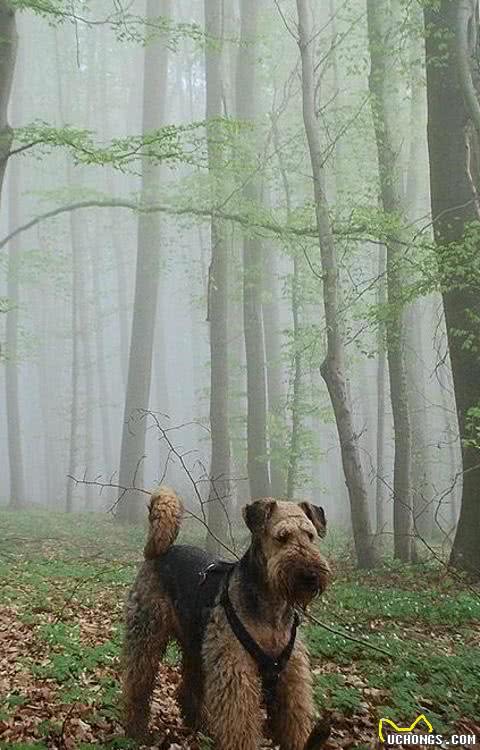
(45, 391)
(219, 496)
(8, 54)
(295, 437)
(380, 484)
(15, 456)
(453, 140)
(74, 411)
(422, 505)
(104, 105)
(333, 368)
(383, 83)
(79, 249)
(416, 207)
(131, 506)
(246, 93)
(103, 390)
(237, 374)
(160, 365)
(73, 446)
(449, 440)
(296, 398)
(273, 354)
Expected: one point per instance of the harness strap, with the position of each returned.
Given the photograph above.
(269, 667)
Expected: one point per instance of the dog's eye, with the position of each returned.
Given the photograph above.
(283, 537)
(311, 536)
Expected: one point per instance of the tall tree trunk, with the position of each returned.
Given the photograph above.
(104, 105)
(219, 496)
(246, 93)
(273, 358)
(74, 410)
(422, 502)
(45, 396)
(8, 55)
(15, 457)
(449, 441)
(237, 373)
(383, 83)
(453, 140)
(295, 437)
(296, 398)
(131, 505)
(79, 248)
(100, 355)
(380, 484)
(333, 368)
(160, 365)
(416, 206)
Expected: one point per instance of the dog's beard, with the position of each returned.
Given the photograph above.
(295, 590)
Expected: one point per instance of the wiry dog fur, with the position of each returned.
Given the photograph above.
(221, 690)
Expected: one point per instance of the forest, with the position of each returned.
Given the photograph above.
(240, 257)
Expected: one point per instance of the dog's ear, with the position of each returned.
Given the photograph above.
(316, 515)
(257, 513)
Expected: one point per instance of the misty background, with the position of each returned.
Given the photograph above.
(163, 315)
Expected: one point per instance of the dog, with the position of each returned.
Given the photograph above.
(245, 671)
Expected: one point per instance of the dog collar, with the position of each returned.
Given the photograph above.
(270, 667)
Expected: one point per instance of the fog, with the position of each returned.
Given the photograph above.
(165, 291)
(240, 346)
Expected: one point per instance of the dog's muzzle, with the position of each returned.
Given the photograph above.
(311, 581)
(308, 580)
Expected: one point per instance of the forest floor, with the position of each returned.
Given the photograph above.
(62, 585)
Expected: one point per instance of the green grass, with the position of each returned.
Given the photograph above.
(429, 625)
(64, 579)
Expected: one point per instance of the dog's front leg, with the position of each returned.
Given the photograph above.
(232, 692)
(291, 717)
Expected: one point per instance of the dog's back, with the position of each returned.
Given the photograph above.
(192, 578)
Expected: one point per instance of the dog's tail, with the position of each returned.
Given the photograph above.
(164, 519)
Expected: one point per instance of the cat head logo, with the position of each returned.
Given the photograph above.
(422, 718)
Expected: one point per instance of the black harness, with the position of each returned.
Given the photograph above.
(269, 667)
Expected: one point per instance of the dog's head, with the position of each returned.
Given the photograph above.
(285, 537)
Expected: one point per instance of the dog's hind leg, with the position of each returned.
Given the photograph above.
(148, 630)
(190, 690)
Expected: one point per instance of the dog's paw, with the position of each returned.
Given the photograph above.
(319, 735)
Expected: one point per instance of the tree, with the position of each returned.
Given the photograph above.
(15, 455)
(333, 368)
(274, 368)
(75, 367)
(8, 54)
(295, 437)
(453, 141)
(146, 284)
(217, 295)
(246, 94)
(383, 19)
(381, 368)
(297, 363)
(102, 376)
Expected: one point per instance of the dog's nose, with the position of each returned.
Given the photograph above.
(308, 580)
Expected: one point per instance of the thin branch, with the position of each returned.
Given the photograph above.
(21, 149)
(207, 213)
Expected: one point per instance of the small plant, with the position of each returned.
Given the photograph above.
(332, 693)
